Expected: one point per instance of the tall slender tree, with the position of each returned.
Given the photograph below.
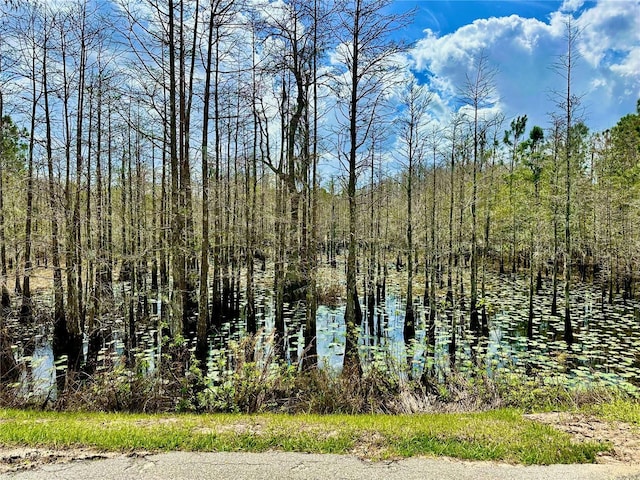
(568, 102)
(512, 139)
(479, 93)
(365, 70)
(415, 102)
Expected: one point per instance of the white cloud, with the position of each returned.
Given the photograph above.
(571, 5)
(524, 49)
(609, 28)
(630, 66)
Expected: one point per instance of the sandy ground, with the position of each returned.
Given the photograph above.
(14, 459)
(624, 437)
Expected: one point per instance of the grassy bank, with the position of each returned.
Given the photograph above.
(619, 410)
(496, 435)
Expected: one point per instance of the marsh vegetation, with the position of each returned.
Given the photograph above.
(202, 209)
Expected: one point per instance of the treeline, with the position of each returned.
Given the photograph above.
(168, 151)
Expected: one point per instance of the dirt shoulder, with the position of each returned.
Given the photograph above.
(15, 459)
(624, 438)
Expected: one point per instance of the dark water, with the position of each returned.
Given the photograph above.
(606, 349)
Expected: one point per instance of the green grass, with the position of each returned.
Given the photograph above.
(622, 410)
(496, 435)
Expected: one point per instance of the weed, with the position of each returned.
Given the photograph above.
(246, 377)
(619, 409)
(331, 294)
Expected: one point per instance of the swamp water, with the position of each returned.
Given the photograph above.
(606, 349)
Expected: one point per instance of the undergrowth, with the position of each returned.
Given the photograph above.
(246, 379)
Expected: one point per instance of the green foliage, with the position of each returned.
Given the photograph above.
(478, 387)
(534, 394)
(13, 147)
(518, 126)
(235, 384)
(619, 409)
(625, 139)
(536, 135)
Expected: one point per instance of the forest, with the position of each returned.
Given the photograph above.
(254, 205)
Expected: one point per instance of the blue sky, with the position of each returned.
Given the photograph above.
(522, 40)
(446, 16)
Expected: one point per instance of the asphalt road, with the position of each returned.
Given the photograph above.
(291, 466)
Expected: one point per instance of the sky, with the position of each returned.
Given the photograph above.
(522, 40)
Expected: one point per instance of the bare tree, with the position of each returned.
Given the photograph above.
(479, 93)
(415, 102)
(568, 102)
(31, 59)
(366, 70)
(217, 12)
